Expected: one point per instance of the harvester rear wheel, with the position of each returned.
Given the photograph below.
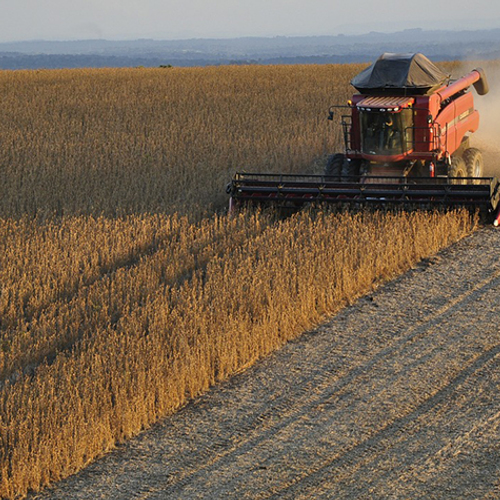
(334, 165)
(457, 169)
(474, 162)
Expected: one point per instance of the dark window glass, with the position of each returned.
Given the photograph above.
(386, 133)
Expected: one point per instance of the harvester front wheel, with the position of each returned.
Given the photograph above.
(334, 165)
(474, 162)
(457, 168)
(351, 168)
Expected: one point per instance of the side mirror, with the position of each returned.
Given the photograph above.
(330, 115)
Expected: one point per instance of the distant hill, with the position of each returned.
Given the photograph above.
(437, 45)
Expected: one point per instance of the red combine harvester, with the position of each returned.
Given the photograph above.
(406, 143)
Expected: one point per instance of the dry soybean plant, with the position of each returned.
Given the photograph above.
(119, 300)
(95, 366)
(140, 140)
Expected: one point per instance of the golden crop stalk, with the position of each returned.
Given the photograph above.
(119, 300)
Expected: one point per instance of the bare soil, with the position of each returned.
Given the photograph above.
(396, 397)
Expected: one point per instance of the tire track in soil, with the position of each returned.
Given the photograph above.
(349, 458)
(326, 385)
(361, 402)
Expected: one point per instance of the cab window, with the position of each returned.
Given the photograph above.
(386, 133)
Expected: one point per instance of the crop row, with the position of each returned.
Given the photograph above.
(147, 140)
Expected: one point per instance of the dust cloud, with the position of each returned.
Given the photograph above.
(487, 138)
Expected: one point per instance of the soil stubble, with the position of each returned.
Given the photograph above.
(396, 397)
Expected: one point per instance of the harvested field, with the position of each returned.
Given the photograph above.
(396, 397)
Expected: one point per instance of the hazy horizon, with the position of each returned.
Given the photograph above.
(57, 20)
(346, 33)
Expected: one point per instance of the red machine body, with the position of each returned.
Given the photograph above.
(438, 130)
(429, 130)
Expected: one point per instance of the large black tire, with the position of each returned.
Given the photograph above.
(350, 169)
(474, 162)
(334, 165)
(457, 168)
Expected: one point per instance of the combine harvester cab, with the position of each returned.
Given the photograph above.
(406, 139)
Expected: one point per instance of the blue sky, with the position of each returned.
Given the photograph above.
(174, 19)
